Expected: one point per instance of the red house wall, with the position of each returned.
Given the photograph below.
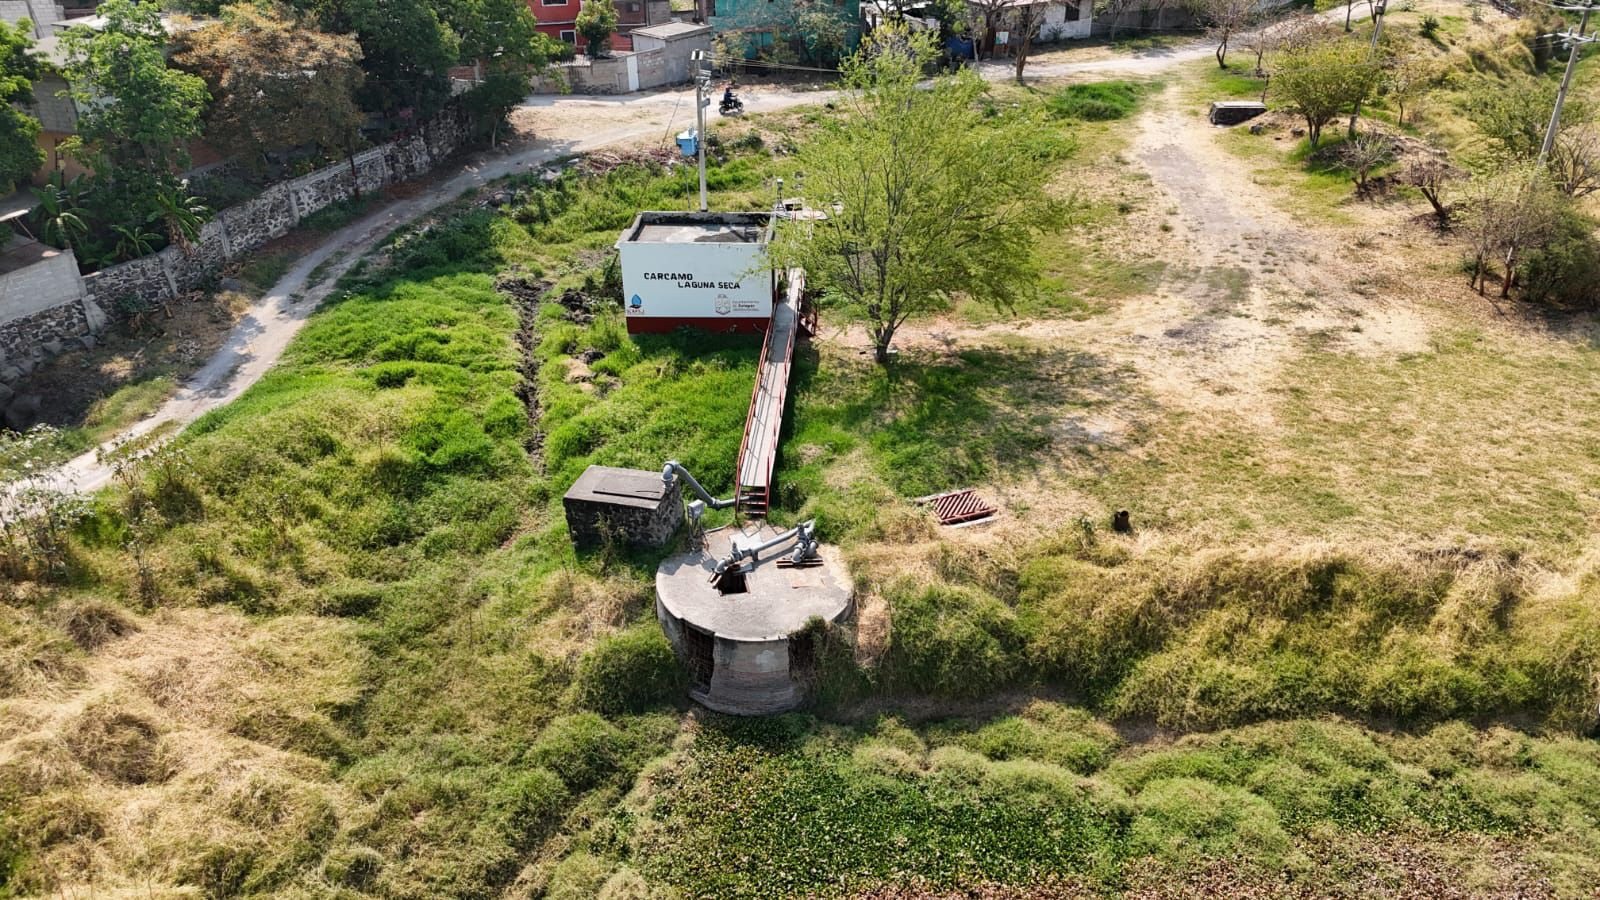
(554, 18)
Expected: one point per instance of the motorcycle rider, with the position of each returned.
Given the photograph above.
(729, 99)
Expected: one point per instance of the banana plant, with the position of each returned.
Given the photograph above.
(58, 216)
(182, 215)
(133, 241)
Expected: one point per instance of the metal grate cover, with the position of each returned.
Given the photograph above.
(959, 506)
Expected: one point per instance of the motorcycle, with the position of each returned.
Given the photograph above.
(731, 106)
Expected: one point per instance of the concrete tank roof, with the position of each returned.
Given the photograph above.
(618, 487)
(779, 601)
(698, 228)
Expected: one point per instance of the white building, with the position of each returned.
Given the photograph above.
(703, 270)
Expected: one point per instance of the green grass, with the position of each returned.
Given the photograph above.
(1099, 101)
(827, 810)
(360, 656)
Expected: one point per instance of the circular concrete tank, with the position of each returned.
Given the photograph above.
(738, 647)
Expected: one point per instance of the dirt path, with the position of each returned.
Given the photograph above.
(567, 125)
(1246, 286)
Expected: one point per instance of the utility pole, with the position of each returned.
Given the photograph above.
(701, 81)
(1378, 12)
(1575, 44)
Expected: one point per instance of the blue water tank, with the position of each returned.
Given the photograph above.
(688, 142)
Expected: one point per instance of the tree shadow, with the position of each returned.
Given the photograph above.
(939, 420)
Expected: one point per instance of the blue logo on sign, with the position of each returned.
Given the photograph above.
(635, 303)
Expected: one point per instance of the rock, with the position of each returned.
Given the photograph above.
(96, 317)
(6, 394)
(10, 375)
(590, 357)
(26, 364)
(231, 285)
(499, 198)
(52, 348)
(87, 342)
(22, 413)
(1258, 128)
(549, 176)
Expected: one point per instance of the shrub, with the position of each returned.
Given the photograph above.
(952, 640)
(630, 671)
(1565, 271)
(583, 749)
(1187, 820)
(1100, 101)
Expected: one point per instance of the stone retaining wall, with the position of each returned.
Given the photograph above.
(244, 227)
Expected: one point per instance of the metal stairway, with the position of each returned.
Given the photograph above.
(758, 451)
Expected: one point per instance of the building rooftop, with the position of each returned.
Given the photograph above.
(699, 228)
(667, 31)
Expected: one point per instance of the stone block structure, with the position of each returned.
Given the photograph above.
(631, 506)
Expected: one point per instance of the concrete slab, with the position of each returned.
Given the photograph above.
(778, 601)
(618, 487)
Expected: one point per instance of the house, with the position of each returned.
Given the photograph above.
(1063, 20)
(58, 112)
(559, 18)
(762, 21)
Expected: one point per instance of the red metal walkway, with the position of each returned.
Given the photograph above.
(759, 450)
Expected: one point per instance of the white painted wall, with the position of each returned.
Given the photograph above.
(725, 280)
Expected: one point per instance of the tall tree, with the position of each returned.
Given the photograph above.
(276, 82)
(1324, 79)
(597, 22)
(406, 52)
(20, 155)
(932, 199)
(502, 42)
(1025, 22)
(1223, 19)
(136, 115)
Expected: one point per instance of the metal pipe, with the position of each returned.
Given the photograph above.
(804, 536)
(674, 470)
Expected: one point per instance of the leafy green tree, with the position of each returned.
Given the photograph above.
(136, 115)
(406, 52)
(597, 21)
(276, 82)
(1325, 78)
(499, 38)
(1512, 114)
(20, 155)
(933, 198)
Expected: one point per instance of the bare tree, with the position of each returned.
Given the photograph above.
(1406, 79)
(1113, 10)
(1365, 154)
(1025, 21)
(1432, 175)
(1224, 19)
(1508, 213)
(1575, 160)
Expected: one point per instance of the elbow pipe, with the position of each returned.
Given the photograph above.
(674, 470)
